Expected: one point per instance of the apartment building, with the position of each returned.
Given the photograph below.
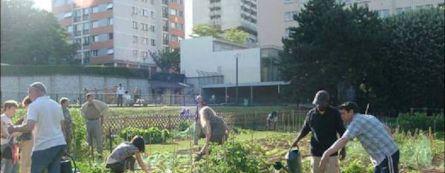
(227, 14)
(121, 32)
(276, 17)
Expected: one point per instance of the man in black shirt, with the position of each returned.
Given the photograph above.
(325, 123)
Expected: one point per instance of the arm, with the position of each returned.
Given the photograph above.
(340, 128)
(340, 143)
(303, 132)
(24, 128)
(141, 162)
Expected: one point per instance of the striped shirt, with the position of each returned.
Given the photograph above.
(373, 137)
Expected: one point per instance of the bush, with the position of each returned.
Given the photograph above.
(411, 122)
(152, 135)
(184, 125)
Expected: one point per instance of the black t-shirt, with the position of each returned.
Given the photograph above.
(324, 128)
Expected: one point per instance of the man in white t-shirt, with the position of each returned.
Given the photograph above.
(45, 118)
(120, 93)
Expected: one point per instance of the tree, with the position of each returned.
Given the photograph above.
(203, 30)
(32, 36)
(236, 36)
(167, 61)
(414, 59)
(332, 45)
(233, 35)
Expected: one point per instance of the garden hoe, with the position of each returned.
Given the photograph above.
(293, 158)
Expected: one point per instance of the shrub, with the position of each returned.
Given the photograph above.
(411, 122)
(152, 135)
(184, 125)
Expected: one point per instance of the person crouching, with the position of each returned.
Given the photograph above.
(214, 127)
(121, 158)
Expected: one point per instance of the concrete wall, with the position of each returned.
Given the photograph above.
(16, 87)
(198, 55)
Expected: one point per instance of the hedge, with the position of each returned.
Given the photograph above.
(13, 70)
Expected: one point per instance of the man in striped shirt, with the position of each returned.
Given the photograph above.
(374, 136)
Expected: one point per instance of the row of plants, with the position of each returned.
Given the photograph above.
(420, 121)
(152, 135)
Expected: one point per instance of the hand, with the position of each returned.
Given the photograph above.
(10, 129)
(342, 154)
(324, 160)
(295, 144)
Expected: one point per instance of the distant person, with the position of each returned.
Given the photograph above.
(121, 158)
(214, 128)
(375, 137)
(120, 91)
(7, 139)
(93, 112)
(213, 99)
(44, 119)
(26, 142)
(198, 130)
(325, 123)
(136, 95)
(272, 119)
(127, 99)
(67, 123)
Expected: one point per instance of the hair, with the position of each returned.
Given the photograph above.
(139, 143)
(348, 106)
(39, 86)
(9, 104)
(63, 100)
(88, 95)
(26, 101)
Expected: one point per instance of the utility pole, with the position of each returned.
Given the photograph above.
(236, 88)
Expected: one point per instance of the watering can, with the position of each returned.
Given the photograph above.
(293, 159)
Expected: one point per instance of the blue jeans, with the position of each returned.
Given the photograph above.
(47, 159)
(389, 165)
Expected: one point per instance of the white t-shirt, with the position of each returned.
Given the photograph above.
(120, 91)
(48, 116)
(5, 125)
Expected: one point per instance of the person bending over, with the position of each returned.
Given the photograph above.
(121, 158)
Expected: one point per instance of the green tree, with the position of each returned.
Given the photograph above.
(236, 36)
(414, 59)
(32, 36)
(203, 30)
(332, 45)
(167, 60)
(233, 35)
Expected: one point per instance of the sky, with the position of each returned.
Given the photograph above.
(43, 4)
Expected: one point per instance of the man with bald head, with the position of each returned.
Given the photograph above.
(45, 118)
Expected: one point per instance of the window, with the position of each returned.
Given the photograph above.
(173, 12)
(70, 29)
(135, 25)
(78, 41)
(152, 28)
(153, 42)
(95, 24)
(135, 39)
(181, 13)
(110, 21)
(110, 6)
(96, 38)
(144, 27)
(145, 41)
(94, 52)
(288, 1)
(165, 39)
(144, 12)
(135, 11)
(69, 14)
(164, 12)
(110, 36)
(86, 41)
(152, 14)
(110, 51)
(95, 9)
(135, 53)
(152, 2)
(86, 11)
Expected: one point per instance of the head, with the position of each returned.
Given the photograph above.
(139, 142)
(90, 96)
(26, 102)
(35, 90)
(64, 102)
(120, 85)
(347, 111)
(199, 99)
(321, 100)
(10, 107)
(126, 92)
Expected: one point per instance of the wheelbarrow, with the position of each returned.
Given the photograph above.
(293, 159)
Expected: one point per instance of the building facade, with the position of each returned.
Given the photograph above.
(227, 14)
(121, 32)
(276, 17)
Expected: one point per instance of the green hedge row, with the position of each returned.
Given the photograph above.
(13, 70)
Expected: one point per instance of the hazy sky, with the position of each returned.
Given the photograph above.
(43, 4)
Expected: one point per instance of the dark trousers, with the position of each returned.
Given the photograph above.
(48, 159)
(122, 166)
(120, 100)
(389, 165)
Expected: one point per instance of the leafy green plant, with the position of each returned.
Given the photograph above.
(152, 135)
